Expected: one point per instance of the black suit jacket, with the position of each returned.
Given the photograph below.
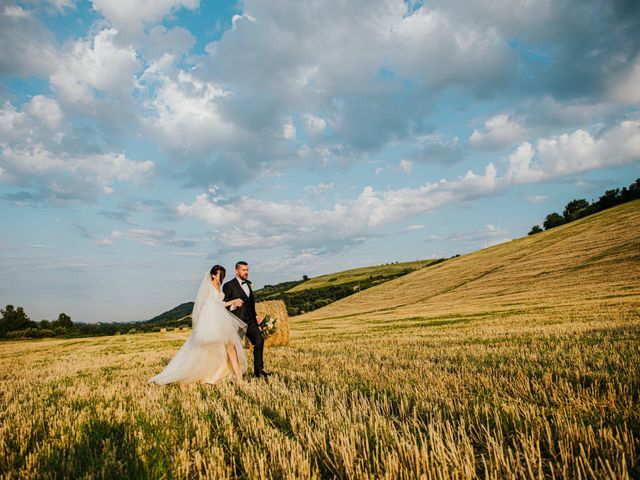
(232, 291)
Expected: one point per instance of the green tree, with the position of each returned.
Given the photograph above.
(611, 198)
(63, 321)
(535, 229)
(14, 319)
(575, 209)
(553, 220)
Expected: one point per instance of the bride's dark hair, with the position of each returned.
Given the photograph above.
(218, 268)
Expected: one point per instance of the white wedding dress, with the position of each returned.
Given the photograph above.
(203, 357)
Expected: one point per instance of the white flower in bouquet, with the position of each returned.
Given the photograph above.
(268, 326)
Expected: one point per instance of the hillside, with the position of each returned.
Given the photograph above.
(584, 264)
(517, 361)
(362, 274)
(309, 294)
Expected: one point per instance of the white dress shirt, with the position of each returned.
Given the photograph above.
(245, 287)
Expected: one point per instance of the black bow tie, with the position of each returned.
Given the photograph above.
(242, 283)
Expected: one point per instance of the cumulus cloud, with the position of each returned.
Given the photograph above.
(315, 125)
(35, 155)
(499, 132)
(251, 223)
(347, 110)
(161, 41)
(382, 66)
(27, 46)
(575, 152)
(185, 115)
(289, 130)
(131, 16)
(98, 65)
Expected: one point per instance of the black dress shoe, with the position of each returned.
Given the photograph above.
(264, 373)
(259, 376)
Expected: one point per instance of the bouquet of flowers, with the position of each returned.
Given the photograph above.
(268, 326)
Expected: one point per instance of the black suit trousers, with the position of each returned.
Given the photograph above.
(257, 340)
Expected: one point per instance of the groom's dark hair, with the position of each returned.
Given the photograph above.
(241, 262)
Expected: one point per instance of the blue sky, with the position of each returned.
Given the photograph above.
(142, 142)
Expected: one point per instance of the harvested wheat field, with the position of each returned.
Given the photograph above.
(517, 361)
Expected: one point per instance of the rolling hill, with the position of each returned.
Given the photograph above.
(362, 274)
(591, 262)
(517, 361)
(318, 290)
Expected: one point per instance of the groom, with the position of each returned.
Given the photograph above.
(240, 287)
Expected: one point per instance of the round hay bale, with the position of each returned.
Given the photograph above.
(278, 310)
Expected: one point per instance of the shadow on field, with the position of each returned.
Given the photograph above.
(103, 450)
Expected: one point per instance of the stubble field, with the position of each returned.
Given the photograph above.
(519, 361)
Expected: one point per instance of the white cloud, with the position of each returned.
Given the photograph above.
(336, 90)
(537, 198)
(499, 132)
(436, 48)
(160, 41)
(27, 46)
(61, 5)
(237, 18)
(185, 115)
(485, 237)
(320, 188)
(289, 131)
(413, 228)
(405, 166)
(98, 65)
(575, 152)
(144, 236)
(35, 155)
(132, 15)
(315, 125)
(46, 111)
(15, 11)
(625, 87)
(68, 176)
(248, 222)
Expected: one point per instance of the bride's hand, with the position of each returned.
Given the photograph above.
(239, 303)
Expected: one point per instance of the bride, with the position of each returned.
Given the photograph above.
(213, 351)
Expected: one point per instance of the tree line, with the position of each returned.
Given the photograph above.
(581, 208)
(313, 298)
(15, 324)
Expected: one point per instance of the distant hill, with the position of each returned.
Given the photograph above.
(588, 262)
(176, 317)
(380, 272)
(307, 295)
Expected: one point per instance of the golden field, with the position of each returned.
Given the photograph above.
(518, 361)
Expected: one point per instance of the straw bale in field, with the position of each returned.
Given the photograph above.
(278, 310)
